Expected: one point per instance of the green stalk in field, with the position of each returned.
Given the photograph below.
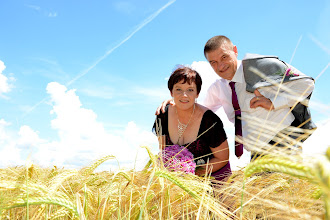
(317, 172)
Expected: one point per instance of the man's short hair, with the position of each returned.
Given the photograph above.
(215, 42)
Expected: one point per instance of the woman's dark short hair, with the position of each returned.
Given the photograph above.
(187, 75)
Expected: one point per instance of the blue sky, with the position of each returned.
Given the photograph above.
(82, 79)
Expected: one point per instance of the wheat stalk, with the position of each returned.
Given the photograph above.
(284, 165)
(88, 170)
(318, 173)
(45, 200)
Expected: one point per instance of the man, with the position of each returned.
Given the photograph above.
(265, 107)
(271, 97)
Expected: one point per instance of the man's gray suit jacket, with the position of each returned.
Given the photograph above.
(260, 71)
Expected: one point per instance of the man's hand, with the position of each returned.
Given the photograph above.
(163, 105)
(261, 101)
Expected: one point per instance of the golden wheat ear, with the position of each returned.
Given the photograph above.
(276, 164)
(317, 171)
(90, 169)
(46, 200)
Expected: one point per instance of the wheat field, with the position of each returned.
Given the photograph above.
(293, 191)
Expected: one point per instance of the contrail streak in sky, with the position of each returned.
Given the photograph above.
(139, 27)
(294, 52)
(318, 43)
(83, 73)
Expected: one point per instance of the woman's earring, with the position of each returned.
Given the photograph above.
(195, 100)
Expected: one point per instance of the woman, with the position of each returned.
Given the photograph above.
(190, 124)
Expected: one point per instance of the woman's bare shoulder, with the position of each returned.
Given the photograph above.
(202, 108)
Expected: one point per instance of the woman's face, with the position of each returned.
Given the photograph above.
(184, 95)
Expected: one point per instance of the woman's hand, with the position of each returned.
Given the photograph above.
(219, 160)
(200, 171)
(220, 157)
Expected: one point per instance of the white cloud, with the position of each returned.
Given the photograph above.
(319, 141)
(208, 76)
(71, 120)
(28, 138)
(16, 146)
(9, 153)
(81, 137)
(10, 156)
(5, 82)
(3, 135)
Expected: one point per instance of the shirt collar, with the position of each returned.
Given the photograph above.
(239, 76)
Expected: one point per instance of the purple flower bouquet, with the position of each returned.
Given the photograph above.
(178, 158)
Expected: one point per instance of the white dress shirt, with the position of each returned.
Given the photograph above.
(258, 125)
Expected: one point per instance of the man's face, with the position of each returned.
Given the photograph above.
(223, 60)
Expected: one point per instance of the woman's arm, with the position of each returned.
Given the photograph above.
(220, 159)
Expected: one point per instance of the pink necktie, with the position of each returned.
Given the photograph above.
(238, 124)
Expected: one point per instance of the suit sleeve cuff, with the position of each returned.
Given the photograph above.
(280, 102)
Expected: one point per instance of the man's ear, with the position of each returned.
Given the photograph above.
(235, 50)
